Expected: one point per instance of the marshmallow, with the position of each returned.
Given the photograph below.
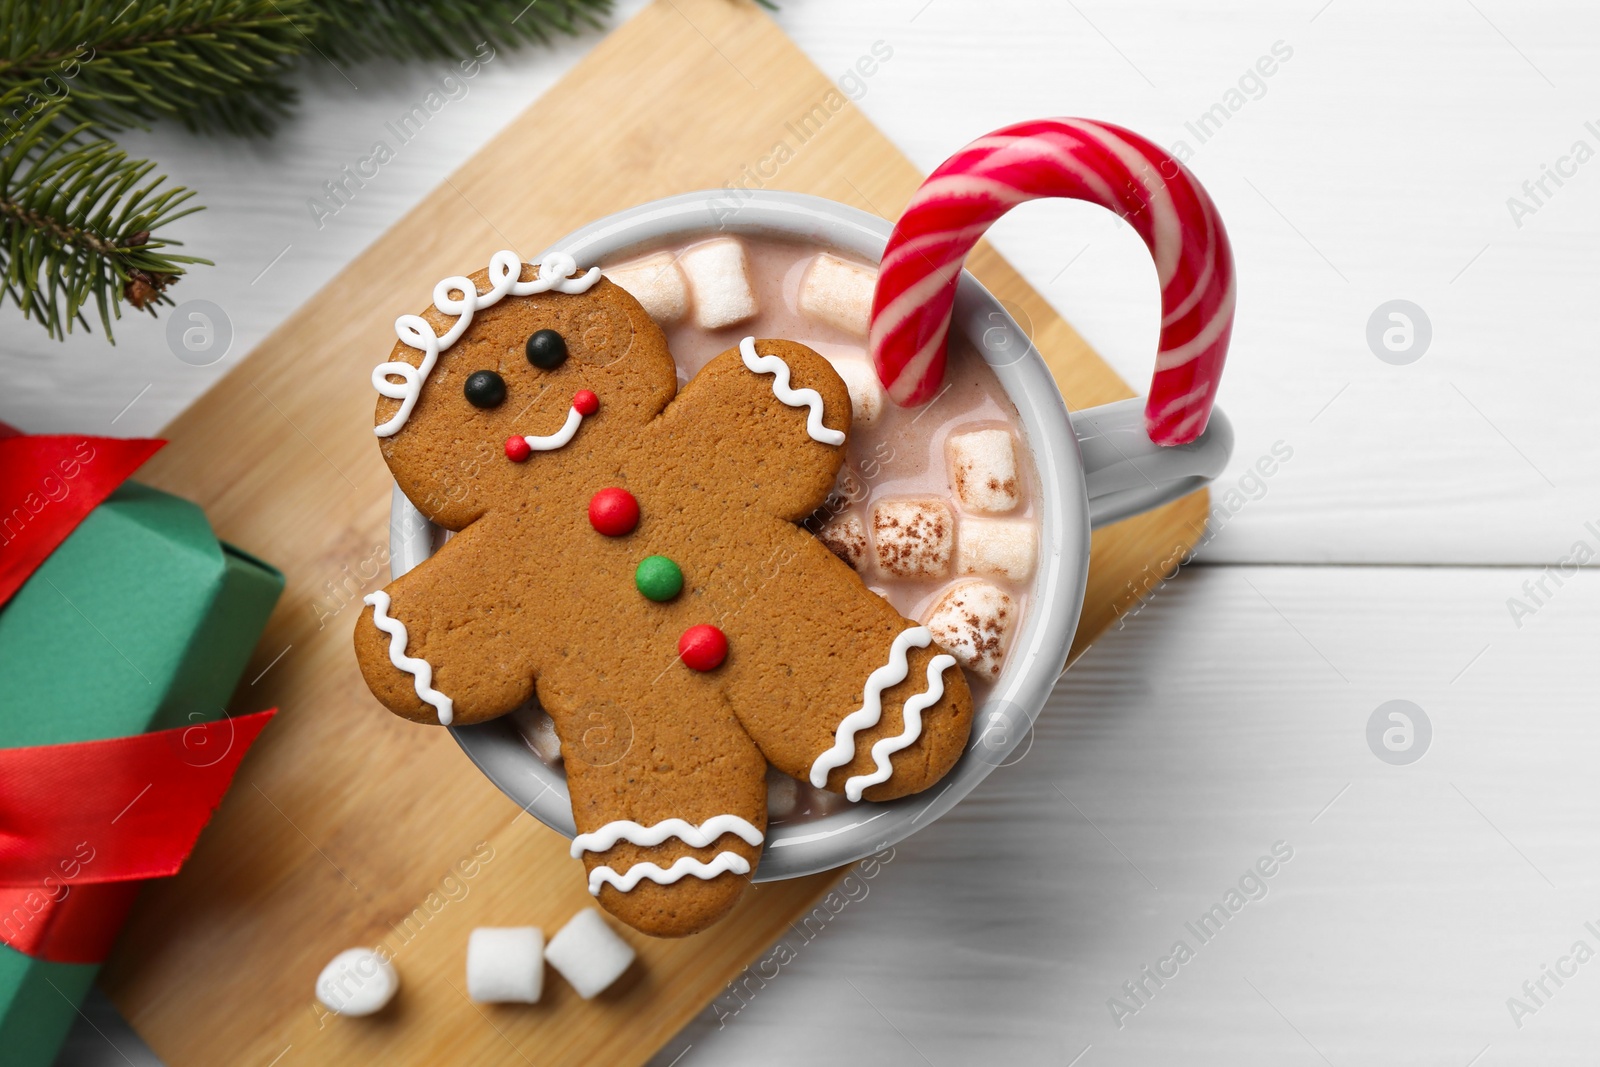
(657, 283)
(544, 740)
(838, 293)
(539, 731)
(588, 953)
(913, 538)
(505, 964)
(866, 392)
(983, 470)
(997, 548)
(846, 538)
(357, 981)
(783, 796)
(720, 281)
(972, 622)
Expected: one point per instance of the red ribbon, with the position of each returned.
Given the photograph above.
(103, 815)
(48, 484)
(81, 825)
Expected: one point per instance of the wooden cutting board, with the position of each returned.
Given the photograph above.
(347, 826)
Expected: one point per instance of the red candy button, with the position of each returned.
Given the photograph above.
(703, 647)
(517, 449)
(614, 512)
(585, 402)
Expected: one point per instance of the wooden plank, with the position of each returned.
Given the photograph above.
(349, 827)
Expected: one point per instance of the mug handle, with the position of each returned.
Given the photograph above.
(1126, 473)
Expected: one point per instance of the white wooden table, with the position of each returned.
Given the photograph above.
(1374, 164)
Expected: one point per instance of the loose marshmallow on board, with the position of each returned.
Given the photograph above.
(719, 278)
(846, 537)
(972, 621)
(996, 548)
(839, 294)
(358, 981)
(983, 470)
(913, 538)
(588, 953)
(866, 395)
(505, 964)
(657, 283)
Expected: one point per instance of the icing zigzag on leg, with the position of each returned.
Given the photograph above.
(722, 863)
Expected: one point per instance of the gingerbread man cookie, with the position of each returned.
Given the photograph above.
(630, 553)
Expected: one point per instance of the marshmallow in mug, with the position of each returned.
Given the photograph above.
(913, 538)
(983, 470)
(839, 293)
(866, 395)
(719, 278)
(658, 284)
(846, 537)
(972, 621)
(996, 548)
(783, 796)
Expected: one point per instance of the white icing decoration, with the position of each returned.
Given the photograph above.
(722, 863)
(420, 668)
(505, 267)
(888, 746)
(553, 441)
(795, 398)
(871, 710)
(636, 834)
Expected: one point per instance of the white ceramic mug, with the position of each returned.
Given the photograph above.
(1095, 467)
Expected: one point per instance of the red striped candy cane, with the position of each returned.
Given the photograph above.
(1081, 160)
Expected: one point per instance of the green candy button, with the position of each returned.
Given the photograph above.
(658, 578)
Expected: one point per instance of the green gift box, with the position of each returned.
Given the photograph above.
(141, 620)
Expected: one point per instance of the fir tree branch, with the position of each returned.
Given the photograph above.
(447, 29)
(78, 218)
(116, 64)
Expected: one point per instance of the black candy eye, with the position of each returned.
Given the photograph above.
(547, 349)
(485, 389)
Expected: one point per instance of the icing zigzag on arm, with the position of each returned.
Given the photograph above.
(421, 669)
(865, 717)
(795, 398)
(912, 715)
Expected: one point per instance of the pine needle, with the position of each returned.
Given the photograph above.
(77, 218)
(119, 64)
